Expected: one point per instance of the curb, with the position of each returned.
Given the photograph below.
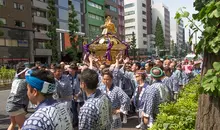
(5, 87)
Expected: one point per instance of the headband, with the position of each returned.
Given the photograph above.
(156, 76)
(42, 86)
(21, 72)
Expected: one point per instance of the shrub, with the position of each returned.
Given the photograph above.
(180, 115)
(6, 75)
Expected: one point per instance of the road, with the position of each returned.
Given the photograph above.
(4, 119)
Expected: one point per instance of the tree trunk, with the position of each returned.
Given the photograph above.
(208, 115)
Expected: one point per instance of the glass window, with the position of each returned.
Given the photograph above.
(2, 2)
(129, 13)
(144, 27)
(14, 43)
(144, 35)
(19, 23)
(94, 5)
(113, 8)
(129, 5)
(8, 42)
(77, 6)
(22, 43)
(64, 25)
(129, 20)
(93, 16)
(143, 12)
(144, 20)
(143, 5)
(18, 6)
(63, 3)
(3, 20)
(2, 42)
(63, 14)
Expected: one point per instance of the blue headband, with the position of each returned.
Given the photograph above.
(40, 85)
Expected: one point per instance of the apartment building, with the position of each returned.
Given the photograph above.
(159, 10)
(138, 20)
(115, 9)
(17, 42)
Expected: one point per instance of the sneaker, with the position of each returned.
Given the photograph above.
(138, 126)
(124, 119)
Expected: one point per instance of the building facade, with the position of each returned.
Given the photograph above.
(40, 25)
(138, 20)
(16, 42)
(161, 11)
(94, 18)
(178, 34)
(115, 9)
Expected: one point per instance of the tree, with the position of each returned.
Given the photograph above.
(159, 35)
(73, 28)
(52, 30)
(133, 45)
(208, 115)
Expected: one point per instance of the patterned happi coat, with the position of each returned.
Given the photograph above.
(139, 98)
(96, 113)
(50, 115)
(151, 104)
(120, 100)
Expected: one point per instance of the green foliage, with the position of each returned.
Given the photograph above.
(52, 44)
(159, 35)
(133, 45)
(209, 15)
(180, 115)
(211, 81)
(6, 75)
(73, 27)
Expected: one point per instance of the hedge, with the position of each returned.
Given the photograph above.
(180, 115)
(6, 75)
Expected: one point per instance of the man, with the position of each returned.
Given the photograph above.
(96, 113)
(49, 114)
(63, 86)
(17, 101)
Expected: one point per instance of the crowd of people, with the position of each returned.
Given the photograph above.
(95, 95)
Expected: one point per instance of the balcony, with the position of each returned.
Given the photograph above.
(41, 35)
(39, 4)
(43, 52)
(41, 20)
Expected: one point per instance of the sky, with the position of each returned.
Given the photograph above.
(174, 5)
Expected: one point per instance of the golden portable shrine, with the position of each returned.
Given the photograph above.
(106, 46)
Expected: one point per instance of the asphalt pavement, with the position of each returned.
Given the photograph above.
(5, 121)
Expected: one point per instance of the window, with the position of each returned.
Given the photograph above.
(144, 20)
(144, 27)
(2, 42)
(144, 35)
(22, 43)
(129, 13)
(143, 5)
(143, 12)
(129, 5)
(93, 16)
(129, 20)
(39, 13)
(145, 42)
(19, 24)
(18, 6)
(114, 1)
(41, 45)
(130, 28)
(3, 20)
(94, 5)
(94, 28)
(113, 8)
(2, 2)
